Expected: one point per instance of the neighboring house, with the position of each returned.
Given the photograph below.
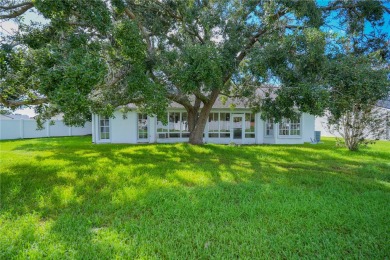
(225, 125)
(385, 105)
(321, 122)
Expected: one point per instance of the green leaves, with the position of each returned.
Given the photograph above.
(355, 80)
(201, 70)
(129, 42)
(93, 13)
(95, 56)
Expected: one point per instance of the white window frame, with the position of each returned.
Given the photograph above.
(254, 122)
(219, 131)
(289, 123)
(147, 126)
(268, 123)
(107, 119)
(167, 132)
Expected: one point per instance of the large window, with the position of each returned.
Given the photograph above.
(219, 125)
(269, 127)
(288, 127)
(177, 126)
(249, 125)
(142, 126)
(174, 124)
(224, 125)
(104, 128)
(214, 125)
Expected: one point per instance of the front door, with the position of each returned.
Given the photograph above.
(237, 131)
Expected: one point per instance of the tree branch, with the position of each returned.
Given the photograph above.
(386, 9)
(10, 7)
(24, 8)
(145, 34)
(201, 97)
(252, 40)
(15, 103)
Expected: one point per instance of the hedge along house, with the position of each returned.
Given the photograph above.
(225, 125)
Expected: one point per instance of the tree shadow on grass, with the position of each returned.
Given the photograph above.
(136, 201)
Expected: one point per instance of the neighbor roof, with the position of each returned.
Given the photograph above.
(385, 103)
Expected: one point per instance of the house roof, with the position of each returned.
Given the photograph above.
(219, 103)
(18, 116)
(5, 117)
(223, 103)
(385, 103)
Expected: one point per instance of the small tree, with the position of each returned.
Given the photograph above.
(357, 84)
(360, 126)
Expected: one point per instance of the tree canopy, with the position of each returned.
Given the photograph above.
(93, 56)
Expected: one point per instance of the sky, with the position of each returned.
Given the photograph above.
(8, 27)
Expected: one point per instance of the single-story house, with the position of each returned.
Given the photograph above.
(225, 125)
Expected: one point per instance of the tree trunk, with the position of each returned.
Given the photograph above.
(192, 118)
(193, 115)
(196, 135)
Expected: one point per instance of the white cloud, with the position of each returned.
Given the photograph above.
(26, 111)
(8, 27)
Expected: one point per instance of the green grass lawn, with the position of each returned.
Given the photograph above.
(68, 198)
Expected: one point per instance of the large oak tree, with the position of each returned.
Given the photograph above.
(93, 56)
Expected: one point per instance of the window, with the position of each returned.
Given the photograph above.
(214, 125)
(142, 126)
(174, 124)
(249, 125)
(162, 130)
(184, 125)
(104, 127)
(224, 125)
(219, 125)
(288, 127)
(177, 126)
(269, 127)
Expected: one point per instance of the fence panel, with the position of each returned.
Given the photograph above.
(16, 129)
(59, 129)
(29, 128)
(9, 129)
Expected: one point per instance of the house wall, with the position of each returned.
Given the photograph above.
(125, 130)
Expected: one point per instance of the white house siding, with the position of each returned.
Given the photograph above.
(320, 125)
(125, 130)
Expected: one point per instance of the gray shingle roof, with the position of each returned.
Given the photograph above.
(385, 103)
(218, 104)
(230, 102)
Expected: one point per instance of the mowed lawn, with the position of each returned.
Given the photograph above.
(67, 198)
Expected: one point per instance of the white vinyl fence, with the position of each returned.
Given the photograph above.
(20, 128)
